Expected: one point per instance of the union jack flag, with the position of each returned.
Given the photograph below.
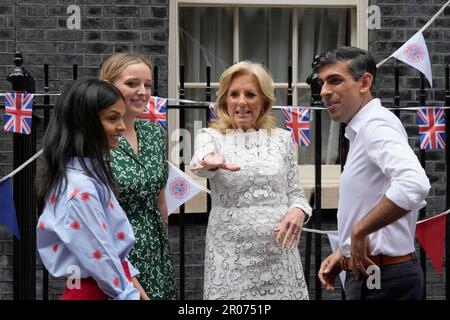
(212, 112)
(18, 112)
(431, 128)
(297, 120)
(155, 112)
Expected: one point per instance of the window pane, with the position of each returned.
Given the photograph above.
(281, 100)
(330, 134)
(320, 30)
(197, 114)
(265, 36)
(281, 96)
(206, 38)
(304, 97)
(196, 118)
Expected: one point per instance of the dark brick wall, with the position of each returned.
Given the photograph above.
(107, 26)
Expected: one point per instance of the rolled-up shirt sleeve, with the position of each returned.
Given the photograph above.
(204, 144)
(390, 151)
(294, 191)
(83, 229)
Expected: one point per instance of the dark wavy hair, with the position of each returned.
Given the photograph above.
(359, 61)
(76, 131)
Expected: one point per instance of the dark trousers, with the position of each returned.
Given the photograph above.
(404, 281)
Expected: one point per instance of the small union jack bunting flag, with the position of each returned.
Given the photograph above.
(297, 120)
(18, 112)
(431, 128)
(212, 112)
(156, 112)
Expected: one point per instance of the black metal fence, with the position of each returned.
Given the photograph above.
(24, 250)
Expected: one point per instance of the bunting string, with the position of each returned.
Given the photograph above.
(37, 94)
(334, 231)
(438, 215)
(23, 165)
(206, 103)
(434, 17)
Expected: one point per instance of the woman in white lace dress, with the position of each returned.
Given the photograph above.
(258, 206)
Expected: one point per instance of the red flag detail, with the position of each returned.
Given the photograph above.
(431, 236)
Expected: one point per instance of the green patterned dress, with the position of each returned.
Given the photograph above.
(140, 180)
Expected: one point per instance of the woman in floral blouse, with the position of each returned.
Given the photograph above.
(140, 169)
(83, 234)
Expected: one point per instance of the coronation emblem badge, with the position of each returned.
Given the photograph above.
(179, 188)
(414, 53)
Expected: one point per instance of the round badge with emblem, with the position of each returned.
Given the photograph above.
(414, 53)
(179, 188)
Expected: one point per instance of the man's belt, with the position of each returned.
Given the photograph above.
(380, 260)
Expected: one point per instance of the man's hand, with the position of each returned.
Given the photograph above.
(359, 250)
(383, 214)
(213, 161)
(330, 269)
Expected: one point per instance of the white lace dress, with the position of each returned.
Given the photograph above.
(242, 258)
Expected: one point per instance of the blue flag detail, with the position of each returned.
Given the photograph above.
(7, 209)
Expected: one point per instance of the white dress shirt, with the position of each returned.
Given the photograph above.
(380, 163)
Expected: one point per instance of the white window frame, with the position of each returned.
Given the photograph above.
(359, 32)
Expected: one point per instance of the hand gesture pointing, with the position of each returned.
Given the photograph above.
(213, 161)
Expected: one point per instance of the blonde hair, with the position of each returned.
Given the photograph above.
(265, 84)
(115, 64)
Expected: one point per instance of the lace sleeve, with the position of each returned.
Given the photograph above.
(204, 144)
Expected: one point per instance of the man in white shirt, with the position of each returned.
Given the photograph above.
(382, 186)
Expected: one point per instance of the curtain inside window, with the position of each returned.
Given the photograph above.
(265, 36)
(206, 39)
(321, 30)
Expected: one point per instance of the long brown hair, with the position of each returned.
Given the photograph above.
(115, 64)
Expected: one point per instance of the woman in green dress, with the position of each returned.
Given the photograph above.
(140, 169)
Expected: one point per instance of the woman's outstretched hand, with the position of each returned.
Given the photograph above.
(213, 161)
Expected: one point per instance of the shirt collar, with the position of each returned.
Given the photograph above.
(360, 119)
(75, 163)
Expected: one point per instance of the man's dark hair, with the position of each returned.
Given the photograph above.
(359, 61)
